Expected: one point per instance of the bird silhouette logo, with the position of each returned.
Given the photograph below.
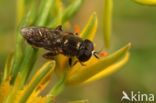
(125, 96)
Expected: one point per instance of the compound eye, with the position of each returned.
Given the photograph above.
(89, 45)
(84, 55)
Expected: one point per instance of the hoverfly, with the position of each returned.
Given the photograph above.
(58, 41)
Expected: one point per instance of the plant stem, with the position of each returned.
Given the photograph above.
(31, 54)
(107, 21)
(28, 63)
(57, 89)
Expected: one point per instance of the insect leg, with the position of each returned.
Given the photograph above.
(70, 62)
(95, 54)
(59, 28)
(50, 55)
(82, 64)
(75, 63)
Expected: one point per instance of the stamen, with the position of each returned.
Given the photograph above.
(103, 54)
(51, 96)
(40, 86)
(10, 78)
(77, 29)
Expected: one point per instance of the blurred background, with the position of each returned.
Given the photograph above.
(131, 23)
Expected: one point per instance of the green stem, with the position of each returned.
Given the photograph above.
(8, 66)
(57, 89)
(107, 22)
(31, 54)
(19, 52)
(28, 63)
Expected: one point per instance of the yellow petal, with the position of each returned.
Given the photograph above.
(109, 70)
(61, 64)
(79, 101)
(36, 99)
(90, 29)
(94, 66)
(13, 93)
(146, 2)
(5, 88)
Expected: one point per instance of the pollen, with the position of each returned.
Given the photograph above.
(103, 54)
(77, 29)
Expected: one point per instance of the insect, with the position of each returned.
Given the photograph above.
(58, 41)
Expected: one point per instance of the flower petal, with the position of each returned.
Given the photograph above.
(84, 73)
(146, 2)
(79, 101)
(109, 70)
(5, 88)
(12, 95)
(90, 29)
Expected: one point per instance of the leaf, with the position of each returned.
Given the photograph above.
(29, 52)
(94, 67)
(90, 29)
(146, 2)
(20, 7)
(107, 21)
(46, 7)
(27, 20)
(71, 10)
(8, 66)
(58, 18)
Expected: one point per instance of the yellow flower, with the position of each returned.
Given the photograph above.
(13, 94)
(78, 74)
(68, 76)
